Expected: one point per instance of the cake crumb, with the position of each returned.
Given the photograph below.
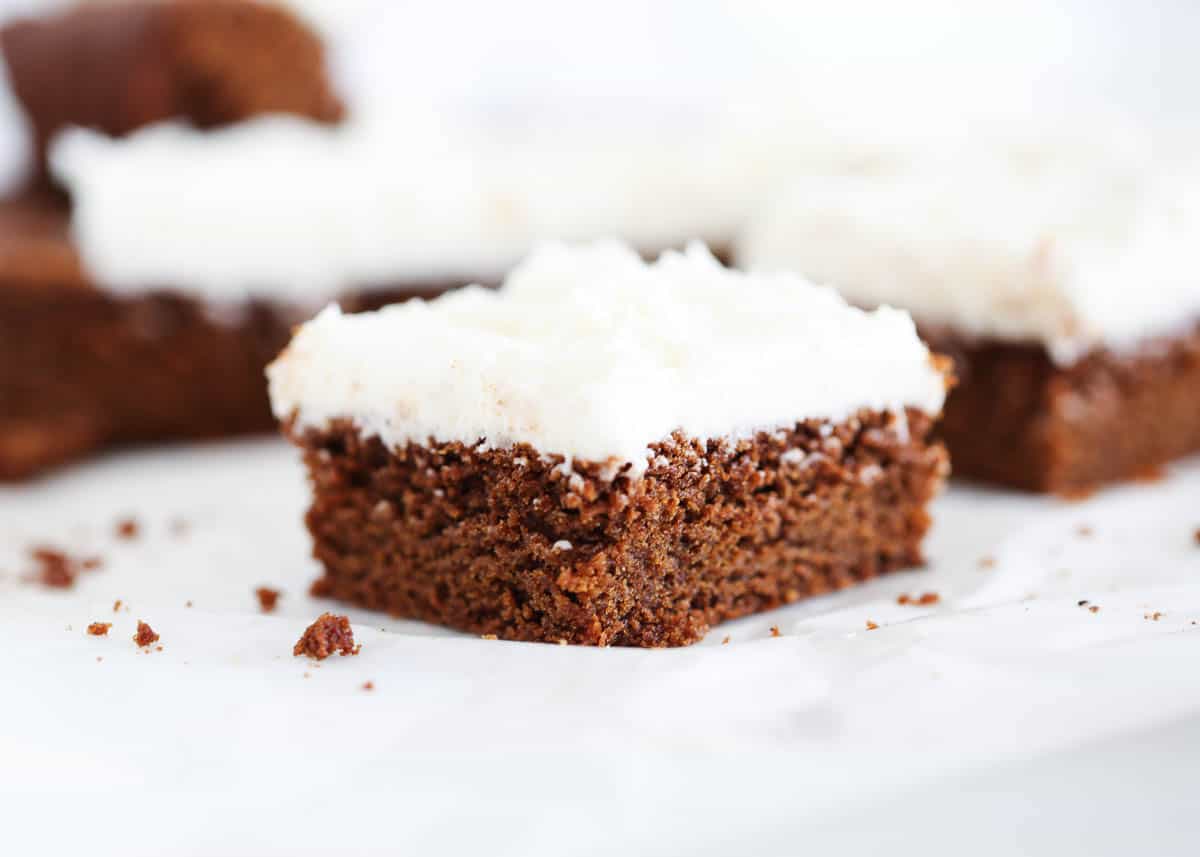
(145, 635)
(117, 606)
(725, 642)
(1082, 602)
(328, 634)
(128, 529)
(1095, 608)
(54, 568)
(923, 600)
(775, 631)
(1154, 617)
(187, 603)
(267, 598)
(1084, 531)
(987, 562)
(369, 685)
(871, 626)
(99, 659)
(488, 637)
(99, 629)
(1196, 535)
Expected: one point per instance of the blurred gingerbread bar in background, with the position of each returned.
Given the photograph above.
(83, 366)
(118, 66)
(1063, 283)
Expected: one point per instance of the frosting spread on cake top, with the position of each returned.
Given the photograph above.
(1074, 253)
(591, 353)
(282, 206)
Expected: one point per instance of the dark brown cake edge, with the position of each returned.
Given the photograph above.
(83, 370)
(511, 543)
(1018, 419)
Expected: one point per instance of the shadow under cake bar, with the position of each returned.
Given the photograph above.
(120, 65)
(611, 452)
(1067, 295)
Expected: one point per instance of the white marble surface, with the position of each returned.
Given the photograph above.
(1006, 717)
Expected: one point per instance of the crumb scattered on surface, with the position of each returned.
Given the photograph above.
(54, 568)
(1196, 535)
(923, 600)
(1082, 602)
(328, 634)
(99, 629)
(145, 635)
(1084, 530)
(1095, 608)
(58, 569)
(871, 626)
(369, 685)
(775, 631)
(187, 603)
(1154, 617)
(725, 642)
(267, 598)
(488, 637)
(117, 606)
(128, 528)
(99, 659)
(987, 562)
(158, 648)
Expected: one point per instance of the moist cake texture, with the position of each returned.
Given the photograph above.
(519, 481)
(504, 542)
(1066, 291)
(1019, 419)
(117, 66)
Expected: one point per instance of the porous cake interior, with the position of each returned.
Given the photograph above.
(507, 542)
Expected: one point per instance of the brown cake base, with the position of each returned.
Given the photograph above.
(82, 370)
(119, 65)
(502, 542)
(1018, 419)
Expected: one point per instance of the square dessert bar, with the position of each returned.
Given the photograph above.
(610, 452)
(1065, 289)
(84, 368)
(117, 66)
(1067, 429)
(100, 345)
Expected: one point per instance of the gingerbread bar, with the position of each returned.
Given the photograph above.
(608, 452)
(84, 368)
(1064, 289)
(120, 65)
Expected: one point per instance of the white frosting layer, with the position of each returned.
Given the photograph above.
(16, 145)
(286, 207)
(591, 353)
(1072, 252)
